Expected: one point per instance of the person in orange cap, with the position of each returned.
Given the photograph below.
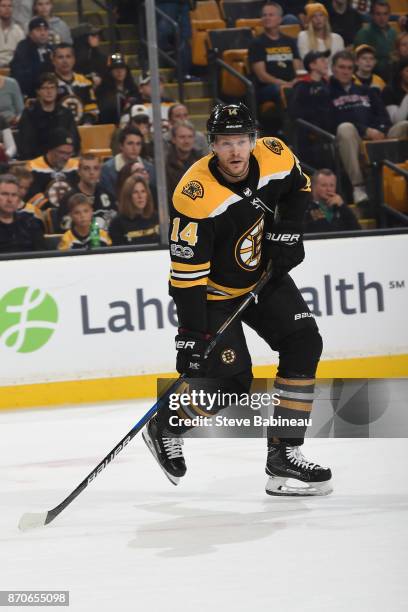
(318, 35)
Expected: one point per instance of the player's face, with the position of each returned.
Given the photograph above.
(132, 147)
(233, 153)
(325, 187)
(6, 9)
(343, 71)
(89, 171)
(366, 62)
(63, 60)
(9, 199)
(43, 8)
(139, 196)
(271, 17)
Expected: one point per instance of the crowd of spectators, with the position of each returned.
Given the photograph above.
(346, 72)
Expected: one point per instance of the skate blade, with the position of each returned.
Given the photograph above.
(149, 443)
(280, 486)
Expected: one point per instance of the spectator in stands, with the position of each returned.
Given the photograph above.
(74, 89)
(363, 7)
(24, 180)
(132, 169)
(80, 235)
(328, 212)
(145, 89)
(345, 20)
(90, 60)
(10, 33)
(356, 112)
(137, 221)
(141, 122)
(309, 101)
(181, 154)
(380, 35)
(318, 36)
(400, 52)
(365, 62)
(130, 146)
(274, 59)
(32, 57)
(59, 32)
(42, 117)
(19, 231)
(22, 12)
(11, 100)
(103, 204)
(8, 147)
(395, 96)
(179, 11)
(179, 112)
(117, 90)
(55, 172)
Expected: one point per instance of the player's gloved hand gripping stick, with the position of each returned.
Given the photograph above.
(33, 520)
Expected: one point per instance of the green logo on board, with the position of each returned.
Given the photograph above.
(28, 319)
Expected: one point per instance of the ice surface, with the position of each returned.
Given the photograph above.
(134, 542)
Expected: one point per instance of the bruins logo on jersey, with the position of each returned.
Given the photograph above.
(228, 356)
(273, 145)
(248, 247)
(193, 190)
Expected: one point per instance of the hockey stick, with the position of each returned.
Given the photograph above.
(33, 520)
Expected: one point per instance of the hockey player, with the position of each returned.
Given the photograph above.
(233, 211)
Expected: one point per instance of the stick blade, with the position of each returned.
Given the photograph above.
(31, 520)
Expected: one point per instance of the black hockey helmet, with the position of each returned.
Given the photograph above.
(230, 119)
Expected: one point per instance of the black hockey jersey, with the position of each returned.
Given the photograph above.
(217, 227)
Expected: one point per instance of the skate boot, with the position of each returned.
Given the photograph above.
(167, 450)
(292, 475)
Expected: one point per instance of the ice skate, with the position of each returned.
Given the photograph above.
(167, 450)
(291, 474)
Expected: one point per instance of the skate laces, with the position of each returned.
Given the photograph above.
(294, 454)
(173, 447)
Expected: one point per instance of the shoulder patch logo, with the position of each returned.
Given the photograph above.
(273, 145)
(193, 190)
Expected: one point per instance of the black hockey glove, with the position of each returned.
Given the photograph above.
(190, 347)
(284, 246)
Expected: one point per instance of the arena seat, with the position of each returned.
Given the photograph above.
(290, 29)
(398, 7)
(395, 188)
(254, 24)
(96, 138)
(237, 59)
(231, 45)
(205, 9)
(206, 16)
(244, 9)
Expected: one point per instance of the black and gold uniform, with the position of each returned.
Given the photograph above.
(222, 236)
(217, 227)
(217, 238)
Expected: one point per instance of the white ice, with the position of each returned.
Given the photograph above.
(134, 542)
